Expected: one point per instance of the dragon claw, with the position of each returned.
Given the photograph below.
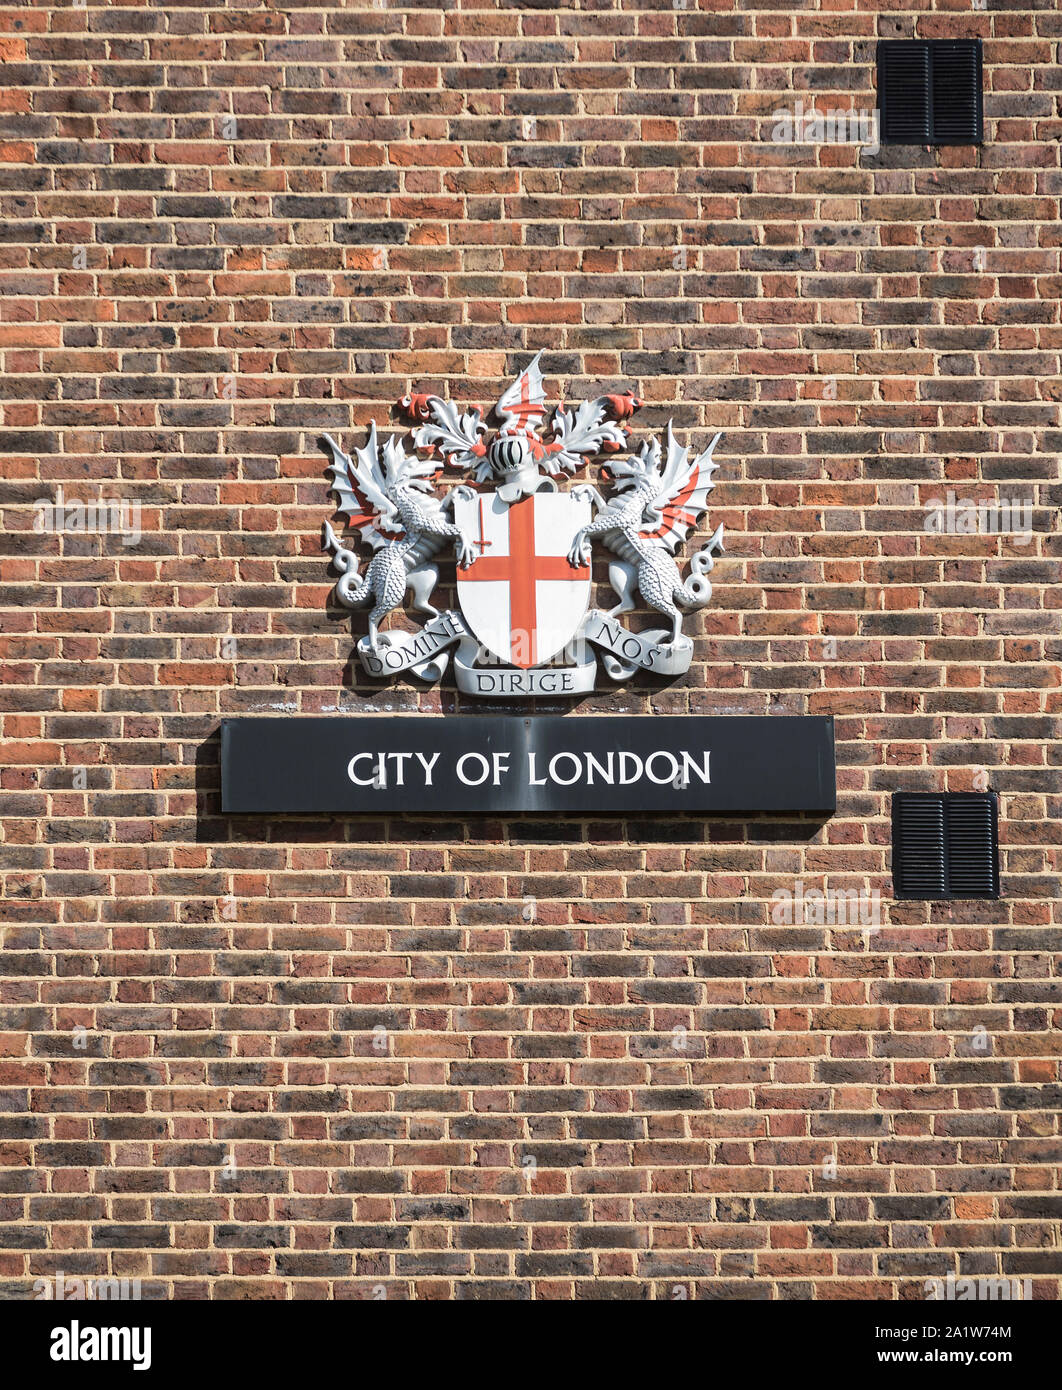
(465, 553)
(579, 554)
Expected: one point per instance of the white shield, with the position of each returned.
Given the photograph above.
(520, 596)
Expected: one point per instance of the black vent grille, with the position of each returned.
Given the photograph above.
(945, 845)
(929, 91)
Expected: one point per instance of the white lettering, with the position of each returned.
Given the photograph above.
(360, 781)
(626, 780)
(555, 775)
(470, 781)
(593, 765)
(668, 776)
(427, 764)
(688, 766)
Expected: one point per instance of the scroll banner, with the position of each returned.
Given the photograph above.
(426, 655)
(625, 651)
(509, 682)
(424, 652)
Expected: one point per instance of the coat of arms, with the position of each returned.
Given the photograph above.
(522, 542)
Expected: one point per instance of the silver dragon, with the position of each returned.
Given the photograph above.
(387, 496)
(651, 513)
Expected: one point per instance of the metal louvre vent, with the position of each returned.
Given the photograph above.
(918, 847)
(929, 91)
(903, 93)
(945, 845)
(956, 66)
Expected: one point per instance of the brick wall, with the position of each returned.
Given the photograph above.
(284, 1060)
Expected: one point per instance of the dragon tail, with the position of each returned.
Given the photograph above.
(350, 590)
(697, 589)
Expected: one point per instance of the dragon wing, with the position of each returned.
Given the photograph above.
(522, 405)
(682, 495)
(360, 490)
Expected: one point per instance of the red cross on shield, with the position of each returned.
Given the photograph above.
(520, 596)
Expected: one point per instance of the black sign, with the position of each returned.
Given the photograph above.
(571, 765)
